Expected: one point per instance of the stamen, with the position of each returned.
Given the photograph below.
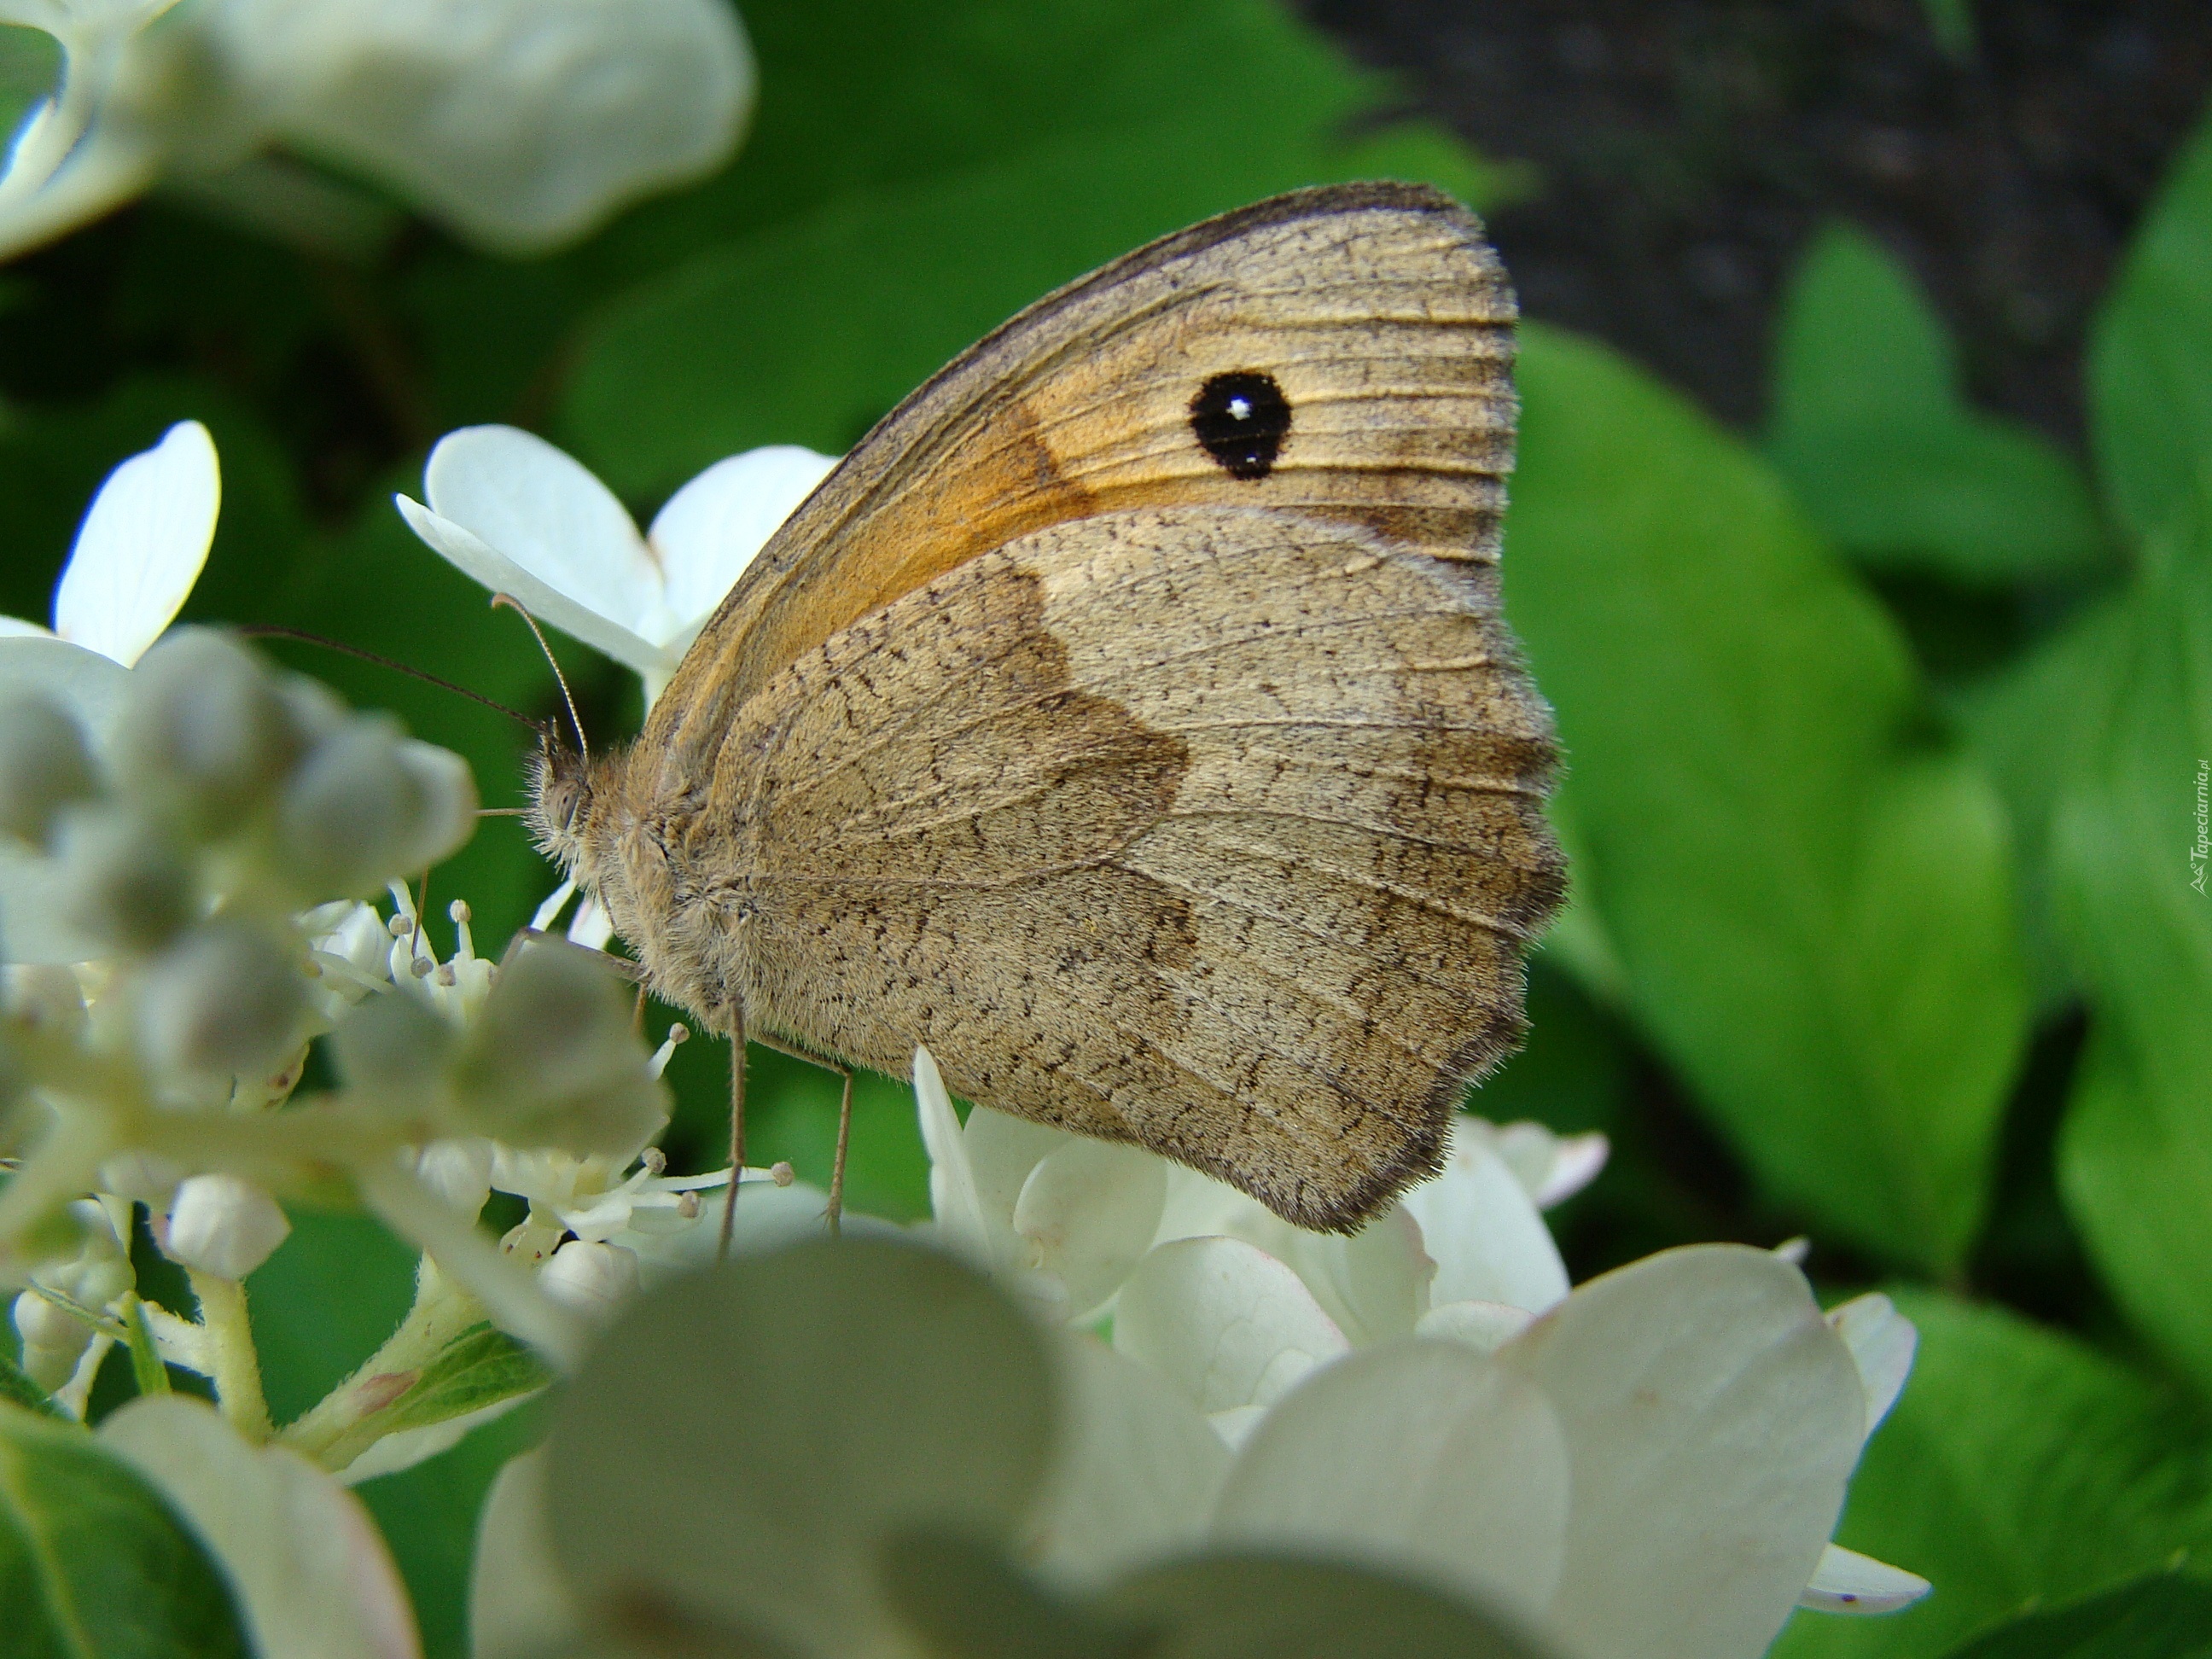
(782, 1174)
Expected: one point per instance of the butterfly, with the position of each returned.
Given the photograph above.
(1130, 720)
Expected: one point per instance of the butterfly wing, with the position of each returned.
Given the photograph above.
(1374, 315)
(1213, 829)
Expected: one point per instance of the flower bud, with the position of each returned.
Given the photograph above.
(223, 1225)
(44, 766)
(146, 1177)
(121, 883)
(459, 1171)
(594, 1280)
(42, 1325)
(552, 1061)
(223, 1001)
(394, 1047)
(369, 803)
(204, 735)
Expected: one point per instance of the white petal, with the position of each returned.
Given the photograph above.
(106, 167)
(1421, 1456)
(141, 546)
(473, 557)
(1374, 1284)
(1485, 1234)
(14, 628)
(954, 1208)
(1002, 1150)
(521, 123)
(1882, 1342)
(1485, 1327)
(519, 1604)
(1711, 1417)
(1847, 1581)
(1227, 1324)
(313, 1573)
(592, 927)
(1136, 1474)
(1087, 1215)
(543, 917)
(709, 529)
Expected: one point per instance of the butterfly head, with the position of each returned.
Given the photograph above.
(559, 815)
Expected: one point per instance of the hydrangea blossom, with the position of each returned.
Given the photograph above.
(528, 520)
(519, 124)
(1649, 1464)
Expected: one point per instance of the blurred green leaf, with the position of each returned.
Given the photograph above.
(1873, 432)
(1952, 23)
(921, 217)
(2166, 1617)
(1814, 911)
(2019, 1468)
(2039, 726)
(93, 1563)
(2150, 362)
(1262, 1607)
(824, 1396)
(30, 69)
(2132, 865)
(479, 1368)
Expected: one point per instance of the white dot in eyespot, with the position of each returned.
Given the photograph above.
(1240, 408)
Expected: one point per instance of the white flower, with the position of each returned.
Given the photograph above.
(520, 123)
(1070, 1224)
(1649, 1470)
(528, 520)
(61, 1351)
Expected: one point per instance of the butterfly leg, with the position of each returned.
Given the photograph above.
(836, 1209)
(737, 1127)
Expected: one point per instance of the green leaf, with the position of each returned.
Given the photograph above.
(930, 214)
(92, 1563)
(2166, 1617)
(17, 1389)
(1873, 432)
(2039, 728)
(823, 1396)
(1262, 1607)
(2150, 362)
(2019, 1468)
(1813, 914)
(2133, 867)
(480, 1367)
(334, 1290)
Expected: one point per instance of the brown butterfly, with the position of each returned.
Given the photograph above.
(1130, 720)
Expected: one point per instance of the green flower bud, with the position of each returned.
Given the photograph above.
(225, 1001)
(205, 735)
(369, 803)
(552, 1061)
(122, 883)
(44, 766)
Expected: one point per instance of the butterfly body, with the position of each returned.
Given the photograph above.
(1130, 720)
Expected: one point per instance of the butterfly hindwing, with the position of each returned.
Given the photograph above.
(1216, 830)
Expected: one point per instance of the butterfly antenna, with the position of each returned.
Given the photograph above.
(271, 631)
(583, 747)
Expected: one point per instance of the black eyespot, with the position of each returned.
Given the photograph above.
(1241, 419)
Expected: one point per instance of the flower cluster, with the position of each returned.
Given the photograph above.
(1649, 1464)
(520, 123)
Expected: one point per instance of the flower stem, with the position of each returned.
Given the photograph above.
(507, 1290)
(237, 1367)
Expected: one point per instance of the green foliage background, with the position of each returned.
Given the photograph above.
(1883, 928)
